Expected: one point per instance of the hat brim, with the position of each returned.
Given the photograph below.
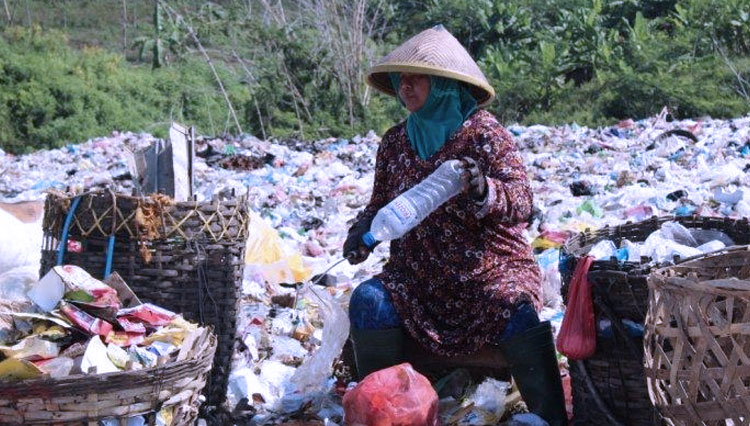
(378, 78)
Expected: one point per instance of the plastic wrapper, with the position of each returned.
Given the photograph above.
(73, 283)
(56, 367)
(678, 233)
(395, 396)
(117, 355)
(31, 348)
(703, 236)
(85, 321)
(131, 326)
(484, 406)
(162, 348)
(634, 250)
(16, 282)
(49, 331)
(661, 249)
(711, 246)
(123, 338)
(95, 359)
(490, 396)
(603, 250)
(142, 356)
(148, 313)
(81, 286)
(173, 333)
(13, 369)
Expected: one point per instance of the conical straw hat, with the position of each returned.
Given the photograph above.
(436, 52)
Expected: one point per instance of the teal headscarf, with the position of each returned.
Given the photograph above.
(447, 106)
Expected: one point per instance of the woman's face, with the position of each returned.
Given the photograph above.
(414, 90)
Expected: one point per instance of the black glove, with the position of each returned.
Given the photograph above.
(473, 180)
(354, 249)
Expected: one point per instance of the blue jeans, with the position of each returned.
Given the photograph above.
(371, 308)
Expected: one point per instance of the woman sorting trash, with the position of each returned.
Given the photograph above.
(465, 276)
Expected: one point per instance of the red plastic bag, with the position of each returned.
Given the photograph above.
(395, 396)
(577, 338)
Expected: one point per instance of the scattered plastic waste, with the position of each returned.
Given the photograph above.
(603, 250)
(15, 283)
(304, 195)
(490, 396)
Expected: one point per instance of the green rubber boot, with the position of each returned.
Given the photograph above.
(533, 364)
(377, 349)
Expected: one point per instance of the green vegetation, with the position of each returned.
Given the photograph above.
(74, 69)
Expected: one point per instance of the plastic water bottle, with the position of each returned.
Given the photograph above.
(409, 209)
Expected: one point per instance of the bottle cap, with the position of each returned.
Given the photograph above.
(369, 240)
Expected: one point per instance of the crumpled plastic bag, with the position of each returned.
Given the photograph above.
(265, 252)
(310, 381)
(678, 233)
(395, 396)
(15, 283)
(577, 338)
(20, 242)
(663, 249)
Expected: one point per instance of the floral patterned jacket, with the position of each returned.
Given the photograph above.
(458, 276)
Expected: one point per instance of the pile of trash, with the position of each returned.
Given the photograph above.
(661, 246)
(305, 196)
(78, 324)
(71, 323)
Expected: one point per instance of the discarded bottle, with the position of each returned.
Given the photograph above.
(410, 208)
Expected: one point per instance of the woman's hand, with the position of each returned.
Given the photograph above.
(355, 249)
(473, 180)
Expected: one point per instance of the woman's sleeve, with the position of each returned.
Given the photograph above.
(379, 189)
(509, 197)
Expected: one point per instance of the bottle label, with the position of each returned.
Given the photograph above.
(403, 210)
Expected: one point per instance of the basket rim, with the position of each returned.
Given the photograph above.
(573, 246)
(61, 195)
(664, 277)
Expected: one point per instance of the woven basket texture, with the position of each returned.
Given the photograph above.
(610, 387)
(187, 257)
(84, 399)
(697, 343)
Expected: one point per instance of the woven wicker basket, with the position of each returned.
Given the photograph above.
(187, 257)
(697, 342)
(610, 387)
(84, 399)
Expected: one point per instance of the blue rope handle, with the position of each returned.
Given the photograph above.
(66, 228)
(110, 251)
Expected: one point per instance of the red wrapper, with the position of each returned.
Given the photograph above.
(131, 326)
(148, 313)
(75, 246)
(85, 321)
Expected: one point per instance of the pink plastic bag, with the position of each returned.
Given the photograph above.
(395, 396)
(577, 338)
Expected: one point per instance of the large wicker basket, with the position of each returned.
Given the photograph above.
(84, 399)
(610, 387)
(697, 342)
(187, 257)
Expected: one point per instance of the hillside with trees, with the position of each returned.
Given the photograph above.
(74, 69)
